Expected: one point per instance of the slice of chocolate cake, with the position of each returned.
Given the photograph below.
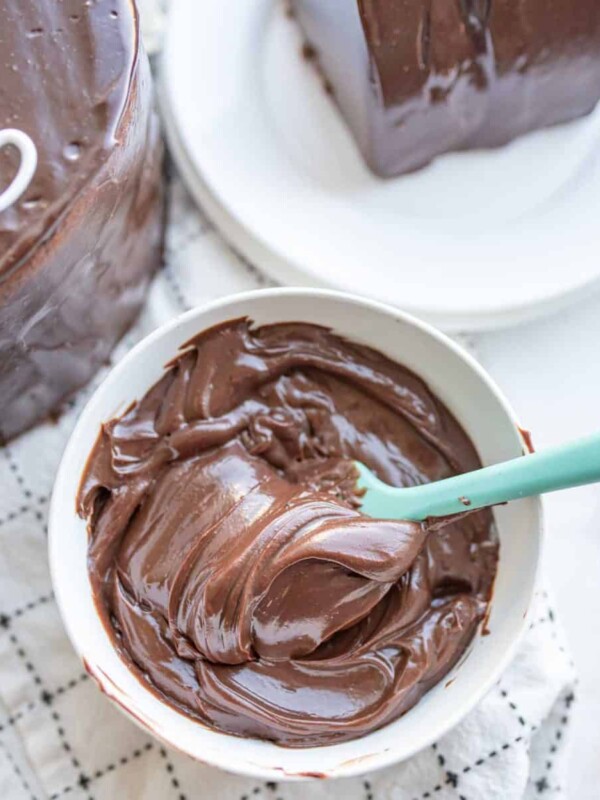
(78, 248)
(417, 78)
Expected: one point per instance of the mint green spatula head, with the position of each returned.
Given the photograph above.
(557, 468)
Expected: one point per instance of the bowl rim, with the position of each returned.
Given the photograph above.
(388, 757)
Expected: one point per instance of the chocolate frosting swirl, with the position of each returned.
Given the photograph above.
(228, 556)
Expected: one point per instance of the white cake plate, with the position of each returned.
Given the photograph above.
(475, 241)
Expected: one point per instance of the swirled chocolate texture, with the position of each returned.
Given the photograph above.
(228, 555)
(417, 78)
(77, 250)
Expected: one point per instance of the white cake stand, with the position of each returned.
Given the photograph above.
(475, 241)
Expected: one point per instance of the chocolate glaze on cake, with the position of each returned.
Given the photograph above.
(417, 78)
(229, 559)
(79, 247)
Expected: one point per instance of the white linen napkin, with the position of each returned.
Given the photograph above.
(61, 738)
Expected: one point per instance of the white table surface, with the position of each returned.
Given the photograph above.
(550, 370)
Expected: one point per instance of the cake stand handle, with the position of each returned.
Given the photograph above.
(27, 166)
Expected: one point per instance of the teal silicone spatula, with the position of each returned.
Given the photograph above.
(560, 467)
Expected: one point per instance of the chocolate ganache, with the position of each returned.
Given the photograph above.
(78, 249)
(229, 559)
(417, 78)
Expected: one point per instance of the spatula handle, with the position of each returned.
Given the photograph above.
(557, 468)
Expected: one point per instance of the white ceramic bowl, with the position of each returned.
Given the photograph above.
(471, 396)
